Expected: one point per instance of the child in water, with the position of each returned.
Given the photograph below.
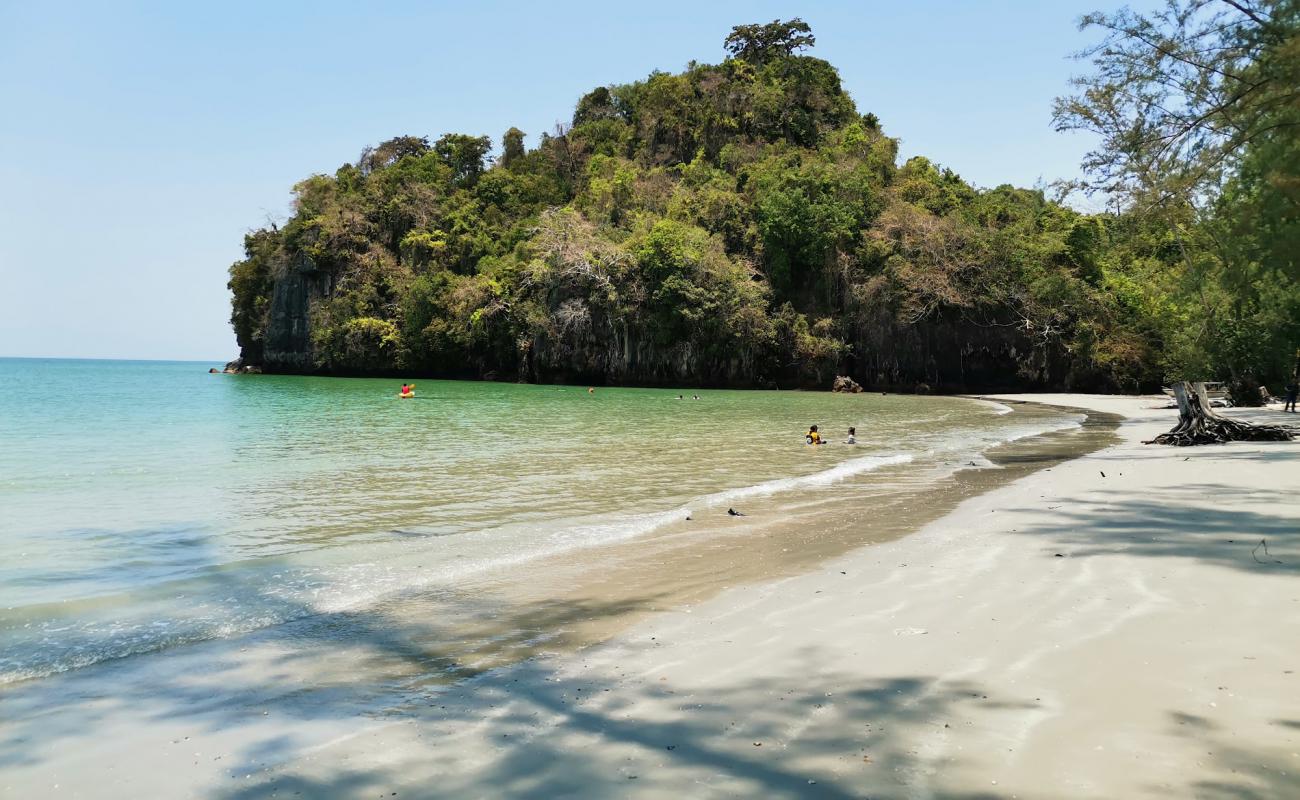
(853, 436)
(813, 437)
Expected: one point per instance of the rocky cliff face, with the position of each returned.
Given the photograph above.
(946, 355)
(287, 344)
(936, 355)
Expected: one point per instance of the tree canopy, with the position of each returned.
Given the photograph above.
(1197, 107)
(759, 44)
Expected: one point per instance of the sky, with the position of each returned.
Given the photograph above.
(139, 142)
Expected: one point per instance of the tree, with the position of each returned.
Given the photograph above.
(1179, 95)
(390, 152)
(594, 105)
(512, 147)
(464, 154)
(1182, 98)
(759, 44)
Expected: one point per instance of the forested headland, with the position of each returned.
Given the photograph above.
(747, 224)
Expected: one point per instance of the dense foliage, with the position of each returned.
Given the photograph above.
(739, 223)
(1198, 109)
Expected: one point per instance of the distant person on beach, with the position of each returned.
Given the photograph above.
(853, 436)
(1292, 393)
(813, 437)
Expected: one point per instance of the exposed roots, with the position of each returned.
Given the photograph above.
(1218, 429)
(1198, 424)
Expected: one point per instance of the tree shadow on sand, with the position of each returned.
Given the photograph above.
(1187, 522)
(1238, 773)
(832, 736)
(296, 686)
(313, 667)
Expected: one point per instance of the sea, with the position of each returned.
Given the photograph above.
(148, 506)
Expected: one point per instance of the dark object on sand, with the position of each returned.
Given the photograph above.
(1199, 424)
(733, 512)
(1263, 544)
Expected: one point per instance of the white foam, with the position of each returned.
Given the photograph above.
(835, 474)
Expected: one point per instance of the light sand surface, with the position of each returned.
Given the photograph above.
(1104, 628)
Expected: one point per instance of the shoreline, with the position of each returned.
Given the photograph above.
(965, 660)
(574, 717)
(611, 579)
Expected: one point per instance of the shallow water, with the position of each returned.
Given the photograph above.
(145, 505)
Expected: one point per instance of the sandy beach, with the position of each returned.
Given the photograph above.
(1106, 627)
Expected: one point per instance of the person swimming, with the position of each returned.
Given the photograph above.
(812, 436)
(853, 436)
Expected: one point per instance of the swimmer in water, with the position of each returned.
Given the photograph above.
(813, 437)
(853, 436)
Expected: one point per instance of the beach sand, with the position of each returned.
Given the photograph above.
(1104, 627)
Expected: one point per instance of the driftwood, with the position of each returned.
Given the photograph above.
(1200, 424)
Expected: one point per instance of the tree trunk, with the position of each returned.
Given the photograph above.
(1199, 424)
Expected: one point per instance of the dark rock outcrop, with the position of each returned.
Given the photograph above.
(288, 346)
(934, 355)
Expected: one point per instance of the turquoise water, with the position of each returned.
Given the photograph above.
(149, 504)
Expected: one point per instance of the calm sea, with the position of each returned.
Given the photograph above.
(145, 505)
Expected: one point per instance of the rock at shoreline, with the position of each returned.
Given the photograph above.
(238, 367)
(844, 383)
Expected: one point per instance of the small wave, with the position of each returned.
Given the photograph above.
(1025, 434)
(835, 474)
(1000, 409)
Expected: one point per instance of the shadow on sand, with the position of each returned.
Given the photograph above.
(1187, 522)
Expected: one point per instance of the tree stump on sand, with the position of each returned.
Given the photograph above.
(1199, 424)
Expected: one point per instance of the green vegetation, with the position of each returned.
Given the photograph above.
(737, 224)
(1198, 109)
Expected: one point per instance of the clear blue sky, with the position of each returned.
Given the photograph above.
(140, 141)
